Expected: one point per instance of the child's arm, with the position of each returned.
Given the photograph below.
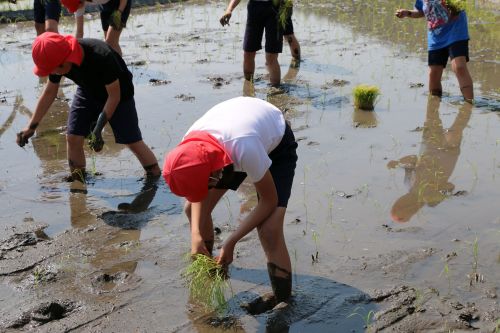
(79, 26)
(227, 15)
(401, 13)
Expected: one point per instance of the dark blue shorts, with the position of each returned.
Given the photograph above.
(284, 161)
(457, 49)
(85, 110)
(288, 25)
(46, 10)
(108, 8)
(262, 15)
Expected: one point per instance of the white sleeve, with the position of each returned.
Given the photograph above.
(252, 158)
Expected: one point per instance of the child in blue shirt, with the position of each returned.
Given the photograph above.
(447, 37)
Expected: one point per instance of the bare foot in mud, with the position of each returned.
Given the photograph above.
(261, 304)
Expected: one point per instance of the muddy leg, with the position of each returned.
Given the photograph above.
(146, 158)
(435, 74)
(112, 37)
(249, 65)
(76, 157)
(281, 282)
(273, 68)
(459, 67)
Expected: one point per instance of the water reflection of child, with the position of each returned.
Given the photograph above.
(447, 37)
(114, 15)
(105, 93)
(427, 174)
(240, 137)
(261, 16)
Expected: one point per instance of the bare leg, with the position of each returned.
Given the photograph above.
(40, 28)
(112, 37)
(294, 46)
(145, 157)
(76, 156)
(207, 227)
(274, 68)
(459, 67)
(248, 65)
(273, 240)
(51, 25)
(435, 74)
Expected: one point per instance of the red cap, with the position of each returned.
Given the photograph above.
(71, 5)
(50, 50)
(187, 167)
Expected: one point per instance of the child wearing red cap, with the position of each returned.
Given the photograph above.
(114, 15)
(241, 137)
(105, 93)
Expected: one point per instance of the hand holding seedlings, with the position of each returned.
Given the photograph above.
(198, 245)
(116, 20)
(224, 20)
(96, 142)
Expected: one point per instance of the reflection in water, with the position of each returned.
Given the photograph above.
(365, 119)
(428, 175)
(111, 256)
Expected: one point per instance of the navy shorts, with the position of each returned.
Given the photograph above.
(288, 25)
(108, 8)
(284, 161)
(85, 110)
(46, 10)
(262, 15)
(457, 49)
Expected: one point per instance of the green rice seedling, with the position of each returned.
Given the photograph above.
(367, 318)
(207, 282)
(284, 11)
(365, 96)
(455, 6)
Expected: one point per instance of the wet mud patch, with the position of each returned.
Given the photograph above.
(44, 313)
(218, 81)
(159, 82)
(40, 275)
(334, 83)
(125, 220)
(103, 283)
(185, 97)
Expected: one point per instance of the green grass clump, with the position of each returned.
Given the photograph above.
(207, 282)
(365, 96)
(455, 6)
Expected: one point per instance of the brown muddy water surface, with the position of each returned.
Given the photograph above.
(394, 219)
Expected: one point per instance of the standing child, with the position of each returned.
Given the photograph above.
(240, 137)
(262, 15)
(114, 15)
(447, 37)
(46, 14)
(105, 93)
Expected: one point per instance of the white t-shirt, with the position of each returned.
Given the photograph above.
(248, 128)
(81, 11)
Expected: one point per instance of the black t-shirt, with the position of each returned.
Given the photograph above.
(101, 66)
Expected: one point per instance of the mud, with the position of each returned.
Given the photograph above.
(392, 224)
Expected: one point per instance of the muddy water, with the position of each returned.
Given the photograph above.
(405, 195)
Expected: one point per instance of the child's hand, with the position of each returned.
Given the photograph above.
(224, 20)
(198, 246)
(226, 254)
(400, 13)
(116, 20)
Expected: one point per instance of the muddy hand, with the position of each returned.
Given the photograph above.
(96, 143)
(23, 136)
(224, 20)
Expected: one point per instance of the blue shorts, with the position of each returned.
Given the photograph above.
(46, 10)
(108, 8)
(440, 57)
(288, 25)
(262, 15)
(85, 110)
(284, 161)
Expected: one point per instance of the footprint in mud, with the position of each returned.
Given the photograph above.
(45, 313)
(120, 281)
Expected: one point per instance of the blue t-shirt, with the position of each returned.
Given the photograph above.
(442, 31)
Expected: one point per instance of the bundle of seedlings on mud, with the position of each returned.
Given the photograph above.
(284, 10)
(365, 96)
(455, 6)
(207, 282)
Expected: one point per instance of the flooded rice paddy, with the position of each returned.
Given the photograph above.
(394, 219)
